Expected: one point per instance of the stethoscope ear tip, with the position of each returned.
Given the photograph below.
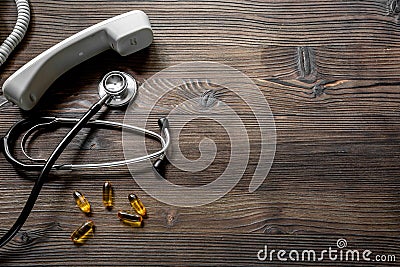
(159, 165)
(163, 123)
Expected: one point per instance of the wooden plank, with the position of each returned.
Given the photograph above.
(331, 62)
(326, 64)
(225, 22)
(136, 247)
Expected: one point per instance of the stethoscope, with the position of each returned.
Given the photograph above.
(116, 89)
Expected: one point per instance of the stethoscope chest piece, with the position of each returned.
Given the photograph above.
(121, 85)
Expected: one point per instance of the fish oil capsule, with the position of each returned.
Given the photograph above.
(130, 218)
(83, 232)
(137, 204)
(82, 202)
(108, 195)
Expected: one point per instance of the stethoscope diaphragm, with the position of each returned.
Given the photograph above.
(120, 85)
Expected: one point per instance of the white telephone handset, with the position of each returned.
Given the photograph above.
(126, 34)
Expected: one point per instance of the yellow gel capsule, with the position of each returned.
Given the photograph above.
(137, 205)
(83, 232)
(130, 218)
(108, 195)
(82, 202)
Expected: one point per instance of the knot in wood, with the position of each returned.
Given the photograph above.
(208, 99)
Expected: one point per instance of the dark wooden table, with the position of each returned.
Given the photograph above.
(330, 72)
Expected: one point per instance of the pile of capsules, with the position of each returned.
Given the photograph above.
(87, 229)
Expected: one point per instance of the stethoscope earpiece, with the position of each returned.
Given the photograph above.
(161, 162)
(163, 123)
(159, 165)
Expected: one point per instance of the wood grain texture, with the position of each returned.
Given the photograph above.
(329, 70)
